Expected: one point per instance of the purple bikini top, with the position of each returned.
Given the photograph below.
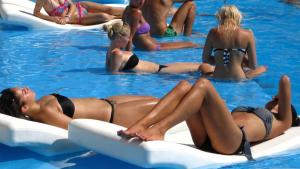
(144, 28)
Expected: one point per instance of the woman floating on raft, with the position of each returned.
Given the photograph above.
(58, 110)
(82, 13)
(212, 126)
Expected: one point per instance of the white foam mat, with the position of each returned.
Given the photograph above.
(176, 152)
(41, 138)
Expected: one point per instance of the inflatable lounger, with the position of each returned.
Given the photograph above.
(38, 137)
(176, 152)
(20, 12)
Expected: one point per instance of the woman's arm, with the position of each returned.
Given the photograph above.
(207, 50)
(39, 4)
(116, 61)
(133, 20)
(284, 116)
(70, 12)
(251, 51)
(255, 72)
(284, 101)
(52, 116)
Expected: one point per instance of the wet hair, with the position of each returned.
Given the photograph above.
(229, 17)
(295, 118)
(10, 104)
(117, 29)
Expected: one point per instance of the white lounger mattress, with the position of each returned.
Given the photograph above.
(41, 138)
(177, 151)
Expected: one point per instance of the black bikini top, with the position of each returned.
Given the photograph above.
(132, 62)
(66, 104)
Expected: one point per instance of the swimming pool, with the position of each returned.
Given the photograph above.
(72, 63)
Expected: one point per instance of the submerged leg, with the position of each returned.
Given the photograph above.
(178, 45)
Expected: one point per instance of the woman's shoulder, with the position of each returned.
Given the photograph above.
(44, 2)
(213, 30)
(41, 3)
(134, 11)
(47, 102)
(47, 98)
(120, 53)
(131, 14)
(116, 52)
(248, 32)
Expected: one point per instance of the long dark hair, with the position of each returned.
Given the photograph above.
(10, 104)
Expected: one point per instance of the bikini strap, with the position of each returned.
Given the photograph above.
(242, 50)
(112, 104)
(245, 147)
(226, 56)
(226, 53)
(78, 6)
(161, 67)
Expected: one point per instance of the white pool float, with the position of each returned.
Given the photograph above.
(176, 152)
(20, 12)
(41, 138)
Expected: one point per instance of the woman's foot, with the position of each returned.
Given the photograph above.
(151, 134)
(131, 131)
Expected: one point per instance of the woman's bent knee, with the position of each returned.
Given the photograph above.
(183, 86)
(191, 4)
(202, 83)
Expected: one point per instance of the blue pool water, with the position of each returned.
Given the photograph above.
(72, 63)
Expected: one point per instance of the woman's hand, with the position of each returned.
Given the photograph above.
(57, 20)
(61, 20)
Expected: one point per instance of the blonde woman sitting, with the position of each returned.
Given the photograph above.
(229, 49)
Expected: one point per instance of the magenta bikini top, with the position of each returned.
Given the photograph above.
(58, 11)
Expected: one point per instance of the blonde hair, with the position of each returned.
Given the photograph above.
(229, 17)
(117, 29)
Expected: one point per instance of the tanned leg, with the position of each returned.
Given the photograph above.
(165, 107)
(129, 98)
(183, 19)
(99, 8)
(202, 99)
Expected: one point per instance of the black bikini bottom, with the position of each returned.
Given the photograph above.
(244, 148)
(112, 104)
